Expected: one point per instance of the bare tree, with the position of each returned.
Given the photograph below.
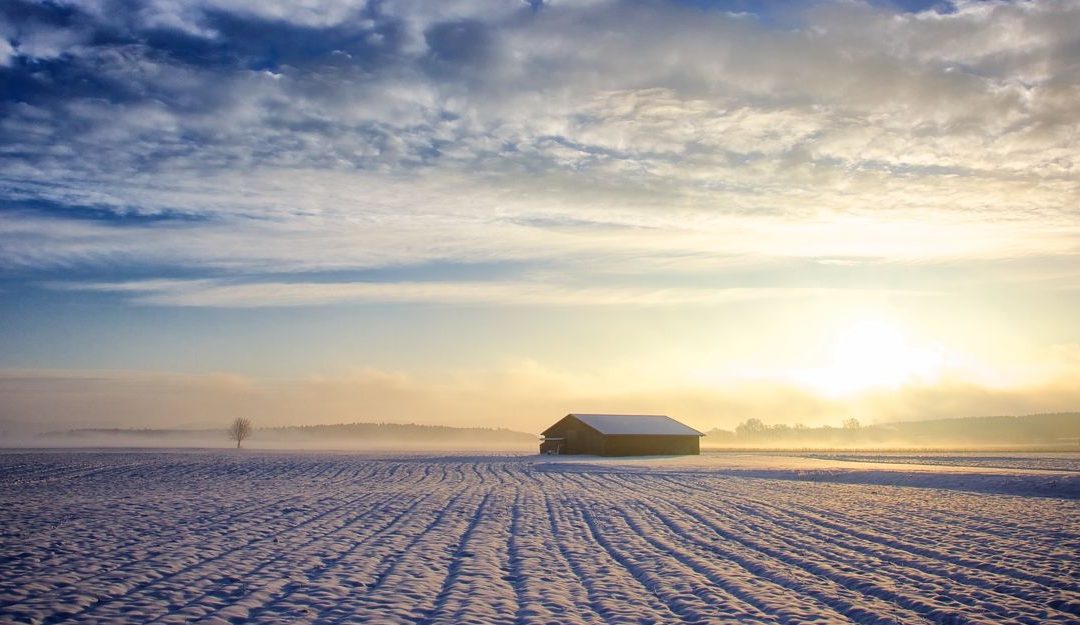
(239, 430)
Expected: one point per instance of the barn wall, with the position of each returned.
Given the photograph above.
(580, 438)
(583, 439)
(551, 446)
(640, 445)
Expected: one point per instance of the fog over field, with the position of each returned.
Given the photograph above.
(1046, 432)
(354, 436)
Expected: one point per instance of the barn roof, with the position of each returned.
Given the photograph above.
(650, 424)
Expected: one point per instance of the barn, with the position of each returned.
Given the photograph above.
(620, 435)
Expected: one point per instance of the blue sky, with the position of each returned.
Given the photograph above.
(685, 207)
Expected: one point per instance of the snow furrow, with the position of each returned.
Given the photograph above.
(842, 572)
(961, 568)
(223, 538)
(197, 569)
(550, 587)
(982, 547)
(855, 606)
(609, 587)
(410, 591)
(696, 594)
(348, 540)
(949, 584)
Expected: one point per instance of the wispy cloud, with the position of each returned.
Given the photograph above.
(357, 221)
(231, 294)
(329, 134)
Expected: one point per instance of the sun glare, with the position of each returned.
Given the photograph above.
(872, 353)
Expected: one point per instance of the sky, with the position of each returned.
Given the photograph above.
(493, 213)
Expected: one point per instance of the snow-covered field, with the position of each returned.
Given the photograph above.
(254, 537)
(996, 460)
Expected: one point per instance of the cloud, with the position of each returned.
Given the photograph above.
(279, 137)
(642, 85)
(229, 294)
(266, 223)
(6, 52)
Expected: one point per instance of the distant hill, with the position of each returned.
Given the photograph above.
(1057, 430)
(384, 436)
(399, 431)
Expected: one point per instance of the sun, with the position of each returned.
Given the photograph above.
(871, 353)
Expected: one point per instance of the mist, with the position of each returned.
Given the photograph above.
(1059, 431)
(370, 437)
(525, 399)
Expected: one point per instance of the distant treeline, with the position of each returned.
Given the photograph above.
(132, 432)
(1057, 430)
(398, 431)
(347, 434)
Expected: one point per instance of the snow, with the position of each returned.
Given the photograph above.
(622, 424)
(270, 537)
(997, 460)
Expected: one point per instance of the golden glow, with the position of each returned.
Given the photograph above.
(872, 353)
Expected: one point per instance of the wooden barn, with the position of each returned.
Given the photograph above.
(620, 435)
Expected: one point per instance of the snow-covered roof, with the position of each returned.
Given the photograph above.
(654, 424)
